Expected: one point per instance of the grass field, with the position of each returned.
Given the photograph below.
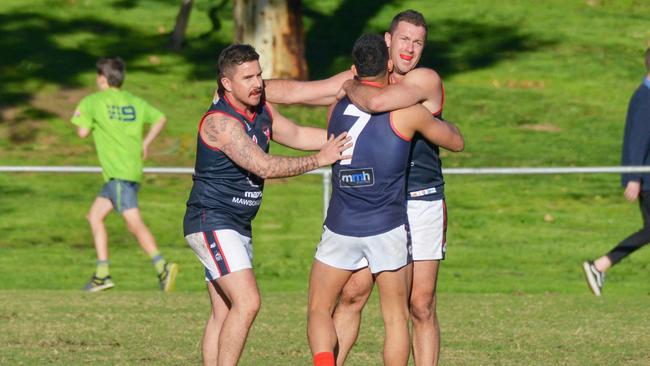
(529, 84)
(480, 329)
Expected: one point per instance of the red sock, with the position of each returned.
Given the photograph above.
(324, 359)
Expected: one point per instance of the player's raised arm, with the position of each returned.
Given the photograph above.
(318, 92)
(288, 133)
(419, 119)
(225, 133)
(420, 85)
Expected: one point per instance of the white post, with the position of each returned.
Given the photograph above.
(327, 176)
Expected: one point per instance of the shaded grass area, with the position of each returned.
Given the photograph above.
(524, 83)
(69, 328)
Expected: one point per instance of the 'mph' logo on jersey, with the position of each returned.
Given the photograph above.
(352, 178)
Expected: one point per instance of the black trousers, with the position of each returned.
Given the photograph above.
(639, 238)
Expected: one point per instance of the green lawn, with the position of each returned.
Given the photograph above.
(144, 327)
(528, 83)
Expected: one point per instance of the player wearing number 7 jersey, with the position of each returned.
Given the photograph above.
(366, 219)
(427, 210)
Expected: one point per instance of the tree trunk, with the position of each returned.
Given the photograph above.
(274, 28)
(183, 17)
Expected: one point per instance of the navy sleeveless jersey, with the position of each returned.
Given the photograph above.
(224, 195)
(368, 192)
(424, 175)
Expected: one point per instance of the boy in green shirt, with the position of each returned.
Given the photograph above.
(116, 119)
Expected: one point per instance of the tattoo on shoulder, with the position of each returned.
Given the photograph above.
(216, 125)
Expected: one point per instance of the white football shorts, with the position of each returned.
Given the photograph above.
(382, 252)
(221, 251)
(428, 227)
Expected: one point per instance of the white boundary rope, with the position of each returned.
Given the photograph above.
(322, 171)
(327, 173)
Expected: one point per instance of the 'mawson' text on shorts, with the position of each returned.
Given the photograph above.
(246, 202)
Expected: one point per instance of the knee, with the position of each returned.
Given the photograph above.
(251, 312)
(353, 298)
(216, 319)
(93, 220)
(250, 306)
(352, 301)
(423, 308)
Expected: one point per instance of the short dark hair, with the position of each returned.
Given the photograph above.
(410, 16)
(647, 59)
(234, 55)
(370, 55)
(113, 68)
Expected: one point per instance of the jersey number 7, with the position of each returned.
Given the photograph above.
(355, 130)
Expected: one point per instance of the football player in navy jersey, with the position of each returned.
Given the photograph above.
(232, 162)
(366, 223)
(427, 210)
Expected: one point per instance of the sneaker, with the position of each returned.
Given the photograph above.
(97, 284)
(595, 278)
(167, 278)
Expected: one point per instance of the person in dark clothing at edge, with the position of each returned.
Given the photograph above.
(636, 152)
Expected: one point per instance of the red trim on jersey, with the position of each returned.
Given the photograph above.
(392, 126)
(371, 83)
(223, 255)
(243, 113)
(207, 245)
(201, 125)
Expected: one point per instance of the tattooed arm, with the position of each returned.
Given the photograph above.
(227, 134)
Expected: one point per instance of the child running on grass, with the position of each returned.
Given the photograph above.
(116, 119)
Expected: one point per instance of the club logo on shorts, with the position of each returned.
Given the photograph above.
(353, 178)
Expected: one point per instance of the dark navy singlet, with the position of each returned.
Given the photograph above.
(224, 195)
(368, 192)
(424, 175)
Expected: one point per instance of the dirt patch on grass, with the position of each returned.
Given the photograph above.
(62, 102)
(22, 124)
(17, 126)
(8, 114)
(542, 127)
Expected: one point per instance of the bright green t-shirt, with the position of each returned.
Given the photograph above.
(116, 118)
